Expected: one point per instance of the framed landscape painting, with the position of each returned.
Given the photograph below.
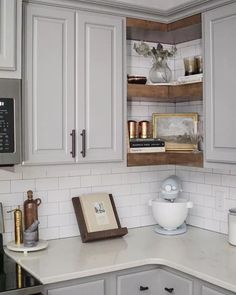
(177, 130)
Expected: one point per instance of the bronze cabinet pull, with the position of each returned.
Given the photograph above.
(83, 134)
(141, 288)
(72, 134)
(169, 290)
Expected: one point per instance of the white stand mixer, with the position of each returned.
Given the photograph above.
(170, 211)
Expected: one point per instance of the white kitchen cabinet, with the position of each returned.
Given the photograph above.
(220, 73)
(73, 85)
(205, 290)
(96, 287)
(145, 282)
(170, 283)
(100, 87)
(49, 84)
(10, 38)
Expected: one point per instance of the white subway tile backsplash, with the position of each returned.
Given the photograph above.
(5, 186)
(47, 184)
(9, 174)
(204, 189)
(76, 192)
(189, 187)
(213, 178)
(229, 180)
(91, 180)
(49, 233)
(213, 225)
(66, 207)
(130, 178)
(58, 195)
(112, 179)
(22, 185)
(11, 199)
(140, 188)
(131, 221)
(68, 231)
(69, 182)
(48, 209)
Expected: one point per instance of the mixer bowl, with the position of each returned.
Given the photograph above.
(170, 215)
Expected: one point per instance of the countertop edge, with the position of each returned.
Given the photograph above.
(125, 266)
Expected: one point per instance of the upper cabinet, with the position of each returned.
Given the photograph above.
(100, 87)
(49, 81)
(73, 86)
(220, 73)
(10, 38)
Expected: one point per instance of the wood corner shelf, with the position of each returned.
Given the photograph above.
(183, 30)
(185, 158)
(165, 93)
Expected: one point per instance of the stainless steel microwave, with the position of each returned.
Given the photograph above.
(10, 121)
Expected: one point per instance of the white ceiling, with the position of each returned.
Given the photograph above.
(163, 5)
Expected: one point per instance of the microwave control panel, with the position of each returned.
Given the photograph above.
(7, 127)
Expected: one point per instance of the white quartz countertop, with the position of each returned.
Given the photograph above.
(201, 253)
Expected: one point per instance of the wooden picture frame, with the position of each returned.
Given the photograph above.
(86, 224)
(176, 130)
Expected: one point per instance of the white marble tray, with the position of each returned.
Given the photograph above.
(42, 244)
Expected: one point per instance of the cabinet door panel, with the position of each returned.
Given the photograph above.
(172, 283)
(90, 288)
(210, 291)
(100, 86)
(10, 38)
(220, 65)
(145, 282)
(50, 93)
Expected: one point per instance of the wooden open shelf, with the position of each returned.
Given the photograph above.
(180, 31)
(165, 93)
(166, 158)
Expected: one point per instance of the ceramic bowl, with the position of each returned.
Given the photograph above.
(170, 215)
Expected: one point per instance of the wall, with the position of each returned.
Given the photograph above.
(56, 185)
(213, 191)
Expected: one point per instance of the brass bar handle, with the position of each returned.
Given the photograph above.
(83, 134)
(72, 134)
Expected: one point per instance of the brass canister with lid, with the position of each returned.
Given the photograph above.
(143, 129)
(31, 210)
(132, 127)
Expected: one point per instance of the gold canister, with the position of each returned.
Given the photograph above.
(190, 65)
(143, 129)
(199, 64)
(18, 224)
(132, 127)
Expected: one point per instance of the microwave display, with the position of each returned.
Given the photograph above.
(7, 144)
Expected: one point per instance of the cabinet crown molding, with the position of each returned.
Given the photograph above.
(134, 10)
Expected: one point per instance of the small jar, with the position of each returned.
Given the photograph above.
(199, 64)
(132, 127)
(232, 226)
(143, 129)
(190, 65)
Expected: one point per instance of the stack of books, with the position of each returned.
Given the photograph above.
(147, 145)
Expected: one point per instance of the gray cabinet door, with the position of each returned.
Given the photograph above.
(96, 287)
(49, 83)
(174, 284)
(209, 291)
(10, 38)
(145, 282)
(220, 75)
(100, 87)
